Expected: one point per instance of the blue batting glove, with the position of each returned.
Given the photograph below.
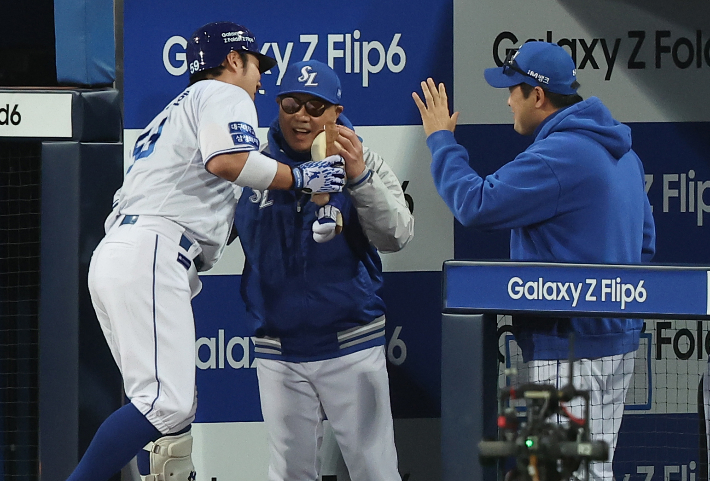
(327, 175)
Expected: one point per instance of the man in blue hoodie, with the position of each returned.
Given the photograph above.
(314, 297)
(576, 194)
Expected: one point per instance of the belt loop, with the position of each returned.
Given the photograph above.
(185, 242)
(129, 219)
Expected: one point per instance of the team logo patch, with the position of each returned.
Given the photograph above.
(243, 134)
(241, 127)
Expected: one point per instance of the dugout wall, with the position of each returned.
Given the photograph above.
(61, 154)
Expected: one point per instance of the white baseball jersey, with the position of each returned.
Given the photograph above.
(168, 177)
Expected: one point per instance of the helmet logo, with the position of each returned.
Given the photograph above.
(236, 37)
(308, 77)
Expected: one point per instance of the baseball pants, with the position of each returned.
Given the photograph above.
(607, 379)
(352, 391)
(142, 294)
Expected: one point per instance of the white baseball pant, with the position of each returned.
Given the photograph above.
(142, 294)
(607, 379)
(353, 391)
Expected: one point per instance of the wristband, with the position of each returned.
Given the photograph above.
(258, 172)
(297, 178)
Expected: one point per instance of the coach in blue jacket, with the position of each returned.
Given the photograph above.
(314, 297)
(576, 194)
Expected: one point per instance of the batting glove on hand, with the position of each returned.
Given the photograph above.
(329, 220)
(327, 175)
(325, 227)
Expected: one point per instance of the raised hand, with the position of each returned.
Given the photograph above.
(435, 108)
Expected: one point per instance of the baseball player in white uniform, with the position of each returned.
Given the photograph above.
(171, 219)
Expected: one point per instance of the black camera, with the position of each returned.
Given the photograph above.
(544, 450)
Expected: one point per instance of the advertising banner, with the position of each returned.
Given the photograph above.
(647, 62)
(583, 290)
(639, 58)
(379, 54)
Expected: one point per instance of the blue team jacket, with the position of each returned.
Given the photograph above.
(306, 301)
(576, 194)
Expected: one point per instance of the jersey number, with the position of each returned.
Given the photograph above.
(146, 142)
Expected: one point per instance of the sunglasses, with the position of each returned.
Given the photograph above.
(314, 108)
(510, 65)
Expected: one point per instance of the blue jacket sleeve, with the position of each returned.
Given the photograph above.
(522, 192)
(648, 249)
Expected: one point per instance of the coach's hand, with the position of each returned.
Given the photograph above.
(327, 175)
(435, 112)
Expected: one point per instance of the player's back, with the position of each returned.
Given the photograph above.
(168, 177)
(600, 208)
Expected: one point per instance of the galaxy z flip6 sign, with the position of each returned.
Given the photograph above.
(574, 289)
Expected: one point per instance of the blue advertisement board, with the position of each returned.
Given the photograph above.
(380, 52)
(226, 376)
(676, 160)
(577, 289)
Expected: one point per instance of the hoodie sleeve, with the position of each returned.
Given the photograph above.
(648, 246)
(522, 192)
(648, 249)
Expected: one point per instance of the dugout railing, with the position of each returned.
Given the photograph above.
(475, 294)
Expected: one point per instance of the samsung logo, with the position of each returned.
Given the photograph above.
(236, 37)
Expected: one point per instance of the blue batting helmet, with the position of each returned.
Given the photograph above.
(210, 44)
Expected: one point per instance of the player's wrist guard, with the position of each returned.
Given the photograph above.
(258, 171)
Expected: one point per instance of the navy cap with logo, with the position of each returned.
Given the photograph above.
(540, 64)
(312, 77)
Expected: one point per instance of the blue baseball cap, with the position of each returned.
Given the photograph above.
(540, 64)
(312, 77)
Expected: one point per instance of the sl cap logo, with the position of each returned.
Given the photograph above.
(308, 77)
